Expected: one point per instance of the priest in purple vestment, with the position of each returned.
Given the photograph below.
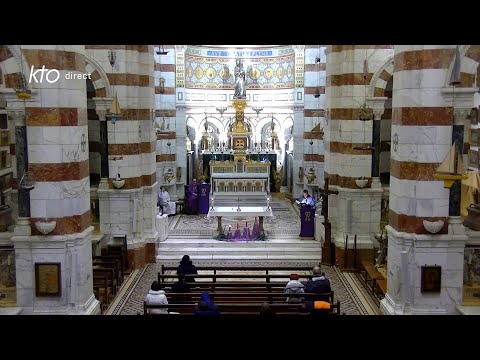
(192, 198)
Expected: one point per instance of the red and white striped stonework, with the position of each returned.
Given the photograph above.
(165, 114)
(346, 91)
(58, 141)
(421, 136)
(313, 113)
(131, 141)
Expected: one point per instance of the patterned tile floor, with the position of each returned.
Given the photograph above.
(285, 224)
(131, 297)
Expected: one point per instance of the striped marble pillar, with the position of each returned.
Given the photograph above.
(355, 210)
(169, 120)
(314, 120)
(422, 122)
(56, 123)
(131, 209)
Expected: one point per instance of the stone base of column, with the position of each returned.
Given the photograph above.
(74, 292)
(407, 254)
(103, 183)
(22, 228)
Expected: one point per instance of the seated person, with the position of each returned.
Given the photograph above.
(319, 284)
(181, 286)
(205, 306)
(156, 296)
(294, 287)
(186, 267)
(163, 199)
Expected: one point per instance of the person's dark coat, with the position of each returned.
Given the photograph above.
(186, 267)
(319, 285)
(180, 287)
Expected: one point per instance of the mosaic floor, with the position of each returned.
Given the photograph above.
(285, 221)
(130, 301)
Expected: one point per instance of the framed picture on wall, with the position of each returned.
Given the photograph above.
(473, 158)
(47, 279)
(475, 137)
(431, 279)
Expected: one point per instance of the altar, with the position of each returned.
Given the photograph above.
(237, 211)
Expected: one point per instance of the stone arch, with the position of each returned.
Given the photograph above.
(380, 78)
(12, 62)
(99, 77)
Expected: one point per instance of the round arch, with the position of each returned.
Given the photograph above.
(380, 78)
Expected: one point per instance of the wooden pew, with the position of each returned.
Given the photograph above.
(165, 268)
(230, 308)
(214, 277)
(239, 308)
(237, 296)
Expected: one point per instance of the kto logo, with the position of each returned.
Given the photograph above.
(52, 75)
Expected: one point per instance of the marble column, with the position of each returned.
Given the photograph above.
(348, 139)
(422, 127)
(16, 112)
(101, 107)
(58, 163)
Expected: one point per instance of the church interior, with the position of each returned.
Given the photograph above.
(118, 160)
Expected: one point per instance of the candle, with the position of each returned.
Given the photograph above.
(237, 225)
(246, 224)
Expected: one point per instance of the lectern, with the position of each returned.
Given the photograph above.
(307, 222)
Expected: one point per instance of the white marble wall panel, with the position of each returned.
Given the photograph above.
(404, 295)
(169, 77)
(404, 48)
(69, 98)
(169, 58)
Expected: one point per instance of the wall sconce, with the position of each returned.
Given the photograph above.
(26, 182)
(317, 94)
(257, 110)
(162, 85)
(221, 110)
(112, 57)
(317, 59)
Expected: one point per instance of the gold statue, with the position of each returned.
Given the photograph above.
(311, 176)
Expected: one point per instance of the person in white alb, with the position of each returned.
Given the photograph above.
(163, 201)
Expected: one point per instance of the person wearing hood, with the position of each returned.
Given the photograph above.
(319, 284)
(186, 267)
(205, 305)
(156, 296)
(294, 287)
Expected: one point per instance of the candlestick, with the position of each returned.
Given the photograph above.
(246, 224)
(237, 225)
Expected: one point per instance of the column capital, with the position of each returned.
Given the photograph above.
(102, 103)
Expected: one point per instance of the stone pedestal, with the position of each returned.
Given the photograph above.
(161, 222)
(407, 253)
(355, 211)
(131, 212)
(74, 254)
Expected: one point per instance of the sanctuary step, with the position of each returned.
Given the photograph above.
(208, 250)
